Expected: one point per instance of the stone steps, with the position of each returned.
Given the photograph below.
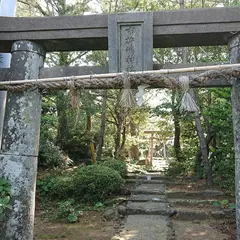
(149, 208)
(149, 189)
(191, 202)
(148, 197)
(154, 176)
(148, 213)
(146, 227)
(187, 194)
(153, 181)
(187, 214)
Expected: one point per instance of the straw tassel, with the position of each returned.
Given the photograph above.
(127, 99)
(187, 103)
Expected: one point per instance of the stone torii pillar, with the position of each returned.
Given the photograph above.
(234, 51)
(20, 142)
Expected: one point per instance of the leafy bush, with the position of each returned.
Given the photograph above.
(68, 210)
(50, 155)
(93, 183)
(64, 187)
(117, 165)
(175, 169)
(45, 185)
(5, 197)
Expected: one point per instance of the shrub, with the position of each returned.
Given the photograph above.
(118, 165)
(93, 183)
(45, 185)
(64, 186)
(50, 155)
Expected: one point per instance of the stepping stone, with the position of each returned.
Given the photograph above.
(147, 197)
(145, 181)
(160, 208)
(145, 227)
(192, 202)
(184, 194)
(187, 214)
(152, 181)
(150, 189)
(154, 176)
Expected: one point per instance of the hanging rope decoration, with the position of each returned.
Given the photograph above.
(127, 99)
(155, 79)
(73, 93)
(187, 102)
(140, 94)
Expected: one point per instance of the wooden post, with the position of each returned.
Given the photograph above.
(147, 162)
(89, 127)
(234, 52)
(151, 150)
(20, 143)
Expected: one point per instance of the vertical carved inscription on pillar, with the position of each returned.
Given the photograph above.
(130, 41)
(130, 55)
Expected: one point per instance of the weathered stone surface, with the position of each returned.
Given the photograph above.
(130, 42)
(154, 176)
(149, 208)
(185, 194)
(142, 227)
(147, 197)
(21, 128)
(212, 193)
(234, 50)
(187, 214)
(110, 214)
(195, 27)
(150, 189)
(145, 181)
(194, 202)
(20, 140)
(122, 209)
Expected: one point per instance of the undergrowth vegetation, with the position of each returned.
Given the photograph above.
(73, 190)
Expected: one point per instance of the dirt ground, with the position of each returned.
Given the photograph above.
(186, 230)
(90, 227)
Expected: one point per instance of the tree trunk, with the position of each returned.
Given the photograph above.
(134, 148)
(198, 158)
(118, 140)
(177, 130)
(122, 150)
(62, 130)
(103, 125)
(203, 146)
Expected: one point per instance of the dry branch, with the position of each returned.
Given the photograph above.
(155, 79)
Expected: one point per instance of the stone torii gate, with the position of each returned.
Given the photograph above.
(130, 39)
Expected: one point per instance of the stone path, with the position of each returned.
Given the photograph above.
(148, 213)
(150, 217)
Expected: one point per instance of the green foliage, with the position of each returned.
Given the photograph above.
(50, 155)
(118, 165)
(65, 186)
(45, 185)
(224, 204)
(91, 184)
(77, 146)
(5, 197)
(95, 183)
(67, 209)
